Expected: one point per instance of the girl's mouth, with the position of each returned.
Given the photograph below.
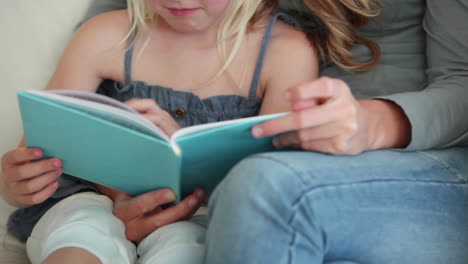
(182, 11)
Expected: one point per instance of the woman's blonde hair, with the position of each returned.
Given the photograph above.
(239, 17)
(337, 22)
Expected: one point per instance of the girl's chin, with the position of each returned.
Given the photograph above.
(185, 27)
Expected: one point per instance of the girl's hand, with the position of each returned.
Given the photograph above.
(26, 182)
(149, 109)
(327, 118)
(143, 214)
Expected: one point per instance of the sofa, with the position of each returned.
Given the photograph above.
(34, 34)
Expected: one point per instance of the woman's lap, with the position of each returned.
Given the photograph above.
(378, 207)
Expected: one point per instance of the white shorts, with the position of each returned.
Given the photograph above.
(86, 221)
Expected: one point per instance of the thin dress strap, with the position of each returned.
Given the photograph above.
(129, 59)
(258, 66)
(262, 54)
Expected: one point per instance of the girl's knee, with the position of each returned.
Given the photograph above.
(82, 221)
(180, 242)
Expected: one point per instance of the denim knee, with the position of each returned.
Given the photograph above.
(259, 178)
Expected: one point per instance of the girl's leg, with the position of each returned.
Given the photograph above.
(71, 256)
(378, 207)
(182, 242)
(83, 226)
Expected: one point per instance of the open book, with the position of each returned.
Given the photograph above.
(102, 140)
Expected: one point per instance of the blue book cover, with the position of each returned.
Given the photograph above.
(102, 140)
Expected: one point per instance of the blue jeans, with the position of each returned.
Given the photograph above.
(379, 207)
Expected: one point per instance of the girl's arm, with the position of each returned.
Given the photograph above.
(95, 53)
(291, 60)
(85, 62)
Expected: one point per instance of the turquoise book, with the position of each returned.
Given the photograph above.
(104, 141)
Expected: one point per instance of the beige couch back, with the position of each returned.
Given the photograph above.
(34, 34)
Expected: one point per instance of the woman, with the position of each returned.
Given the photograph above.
(407, 205)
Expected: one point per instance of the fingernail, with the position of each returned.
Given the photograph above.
(37, 153)
(170, 196)
(302, 104)
(200, 194)
(257, 132)
(57, 163)
(192, 202)
(59, 172)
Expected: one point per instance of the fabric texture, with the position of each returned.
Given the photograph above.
(86, 221)
(423, 69)
(379, 207)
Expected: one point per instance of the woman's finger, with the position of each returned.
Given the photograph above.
(334, 146)
(137, 207)
(329, 130)
(322, 88)
(297, 120)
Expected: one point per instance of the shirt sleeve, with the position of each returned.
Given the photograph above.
(439, 113)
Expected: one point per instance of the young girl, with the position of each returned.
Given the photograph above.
(210, 62)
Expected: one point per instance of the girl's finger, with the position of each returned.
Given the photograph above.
(143, 204)
(36, 184)
(172, 214)
(20, 156)
(33, 169)
(40, 196)
(144, 105)
(164, 121)
(200, 194)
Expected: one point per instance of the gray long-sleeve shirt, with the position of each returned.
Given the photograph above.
(423, 69)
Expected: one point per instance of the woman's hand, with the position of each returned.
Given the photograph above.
(143, 214)
(149, 109)
(327, 118)
(26, 182)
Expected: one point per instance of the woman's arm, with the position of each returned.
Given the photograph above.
(438, 114)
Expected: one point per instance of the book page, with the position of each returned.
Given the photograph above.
(93, 97)
(105, 108)
(205, 127)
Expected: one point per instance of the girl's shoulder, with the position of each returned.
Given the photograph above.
(284, 36)
(99, 44)
(287, 36)
(287, 43)
(107, 28)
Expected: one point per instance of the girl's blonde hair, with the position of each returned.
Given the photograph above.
(240, 16)
(336, 23)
